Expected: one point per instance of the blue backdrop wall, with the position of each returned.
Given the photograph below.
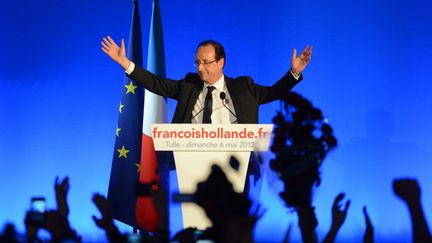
(370, 74)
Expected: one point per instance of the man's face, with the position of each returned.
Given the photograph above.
(211, 72)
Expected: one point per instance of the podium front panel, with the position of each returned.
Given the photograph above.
(195, 167)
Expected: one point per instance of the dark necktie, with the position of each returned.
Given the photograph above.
(208, 105)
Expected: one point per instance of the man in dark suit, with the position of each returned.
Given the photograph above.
(233, 100)
(242, 95)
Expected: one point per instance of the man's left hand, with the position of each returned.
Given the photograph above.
(298, 64)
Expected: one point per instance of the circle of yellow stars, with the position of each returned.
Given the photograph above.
(130, 88)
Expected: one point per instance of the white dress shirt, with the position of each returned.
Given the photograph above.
(220, 114)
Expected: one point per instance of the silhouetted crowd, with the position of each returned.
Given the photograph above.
(301, 142)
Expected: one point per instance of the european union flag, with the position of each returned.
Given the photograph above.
(127, 153)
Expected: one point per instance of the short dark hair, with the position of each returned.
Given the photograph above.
(219, 49)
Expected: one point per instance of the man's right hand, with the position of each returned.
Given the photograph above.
(117, 53)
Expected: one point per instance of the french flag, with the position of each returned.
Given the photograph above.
(155, 111)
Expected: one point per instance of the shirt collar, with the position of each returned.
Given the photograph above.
(219, 85)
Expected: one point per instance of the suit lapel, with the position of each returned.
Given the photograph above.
(196, 90)
(232, 89)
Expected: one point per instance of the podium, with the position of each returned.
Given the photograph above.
(196, 147)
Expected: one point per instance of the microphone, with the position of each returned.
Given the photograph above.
(222, 95)
(197, 113)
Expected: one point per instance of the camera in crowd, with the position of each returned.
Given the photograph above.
(36, 214)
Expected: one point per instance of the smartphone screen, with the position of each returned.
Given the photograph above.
(134, 238)
(38, 204)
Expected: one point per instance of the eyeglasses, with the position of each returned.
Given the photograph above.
(205, 63)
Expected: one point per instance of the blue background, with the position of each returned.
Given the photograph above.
(370, 74)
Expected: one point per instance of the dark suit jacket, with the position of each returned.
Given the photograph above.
(245, 94)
